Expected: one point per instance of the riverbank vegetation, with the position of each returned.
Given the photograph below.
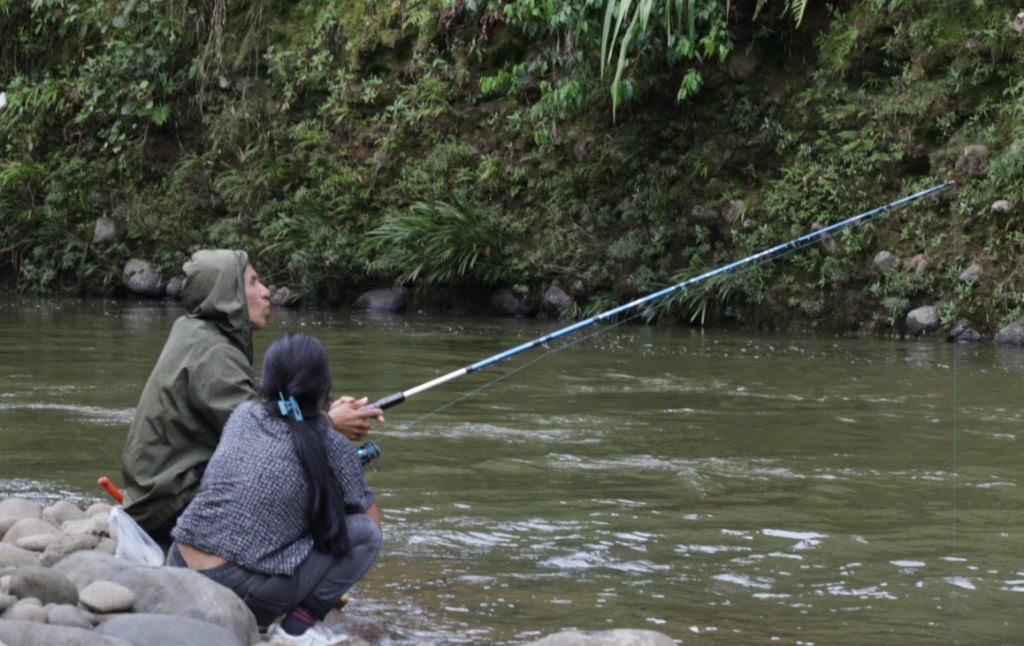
(457, 146)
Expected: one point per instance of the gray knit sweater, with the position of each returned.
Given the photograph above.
(251, 508)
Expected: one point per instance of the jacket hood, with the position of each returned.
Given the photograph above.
(214, 291)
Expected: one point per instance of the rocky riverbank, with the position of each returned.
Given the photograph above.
(62, 582)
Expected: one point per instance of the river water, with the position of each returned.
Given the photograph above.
(715, 486)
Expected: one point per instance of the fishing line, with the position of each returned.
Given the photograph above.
(647, 312)
(956, 309)
(564, 346)
(712, 278)
(759, 258)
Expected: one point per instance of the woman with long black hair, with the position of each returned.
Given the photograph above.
(283, 516)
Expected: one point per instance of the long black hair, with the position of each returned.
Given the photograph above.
(295, 365)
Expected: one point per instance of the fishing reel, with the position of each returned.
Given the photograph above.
(368, 453)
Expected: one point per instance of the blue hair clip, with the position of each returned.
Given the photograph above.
(286, 405)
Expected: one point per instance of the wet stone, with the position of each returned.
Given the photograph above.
(42, 583)
(106, 596)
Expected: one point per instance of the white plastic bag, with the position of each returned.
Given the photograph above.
(133, 543)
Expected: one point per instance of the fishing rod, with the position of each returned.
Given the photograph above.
(796, 243)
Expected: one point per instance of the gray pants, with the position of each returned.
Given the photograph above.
(316, 584)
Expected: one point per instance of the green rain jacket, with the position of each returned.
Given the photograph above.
(204, 371)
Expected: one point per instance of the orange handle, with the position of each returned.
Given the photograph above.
(105, 482)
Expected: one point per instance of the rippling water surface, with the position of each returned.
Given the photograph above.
(718, 487)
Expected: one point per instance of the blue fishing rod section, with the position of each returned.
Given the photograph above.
(791, 245)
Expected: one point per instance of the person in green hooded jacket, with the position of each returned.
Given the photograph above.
(204, 372)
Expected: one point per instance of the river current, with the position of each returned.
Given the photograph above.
(719, 487)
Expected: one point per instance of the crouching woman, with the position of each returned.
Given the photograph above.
(283, 515)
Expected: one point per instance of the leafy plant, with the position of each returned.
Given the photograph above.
(896, 291)
(439, 243)
(795, 8)
(668, 26)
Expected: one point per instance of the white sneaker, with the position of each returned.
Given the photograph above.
(316, 635)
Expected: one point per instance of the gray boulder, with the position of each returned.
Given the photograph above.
(14, 509)
(28, 527)
(26, 610)
(1002, 208)
(18, 633)
(65, 614)
(886, 261)
(104, 233)
(106, 597)
(42, 583)
(382, 301)
(973, 161)
(141, 279)
(923, 319)
(165, 591)
(555, 301)
(13, 556)
(284, 297)
(972, 274)
(36, 542)
(962, 332)
(917, 265)
(734, 210)
(507, 303)
(702, 214)
(173, 287)
(66, 544)
(95, 525)
(1012, 334)
(168, 631)
(62, 511)
(98, 508)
